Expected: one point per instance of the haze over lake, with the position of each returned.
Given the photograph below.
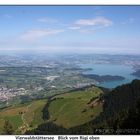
(113, 70)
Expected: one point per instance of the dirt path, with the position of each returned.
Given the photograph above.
(22, 117)
(25, 125)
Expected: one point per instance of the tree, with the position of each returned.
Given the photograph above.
(8, 129)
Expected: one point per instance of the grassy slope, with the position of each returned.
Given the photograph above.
(34, 114)
(30, 118)
(68, 111)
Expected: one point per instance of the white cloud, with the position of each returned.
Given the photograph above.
(98, 21)
(47, 20)
(90, 25)
(74, 27)
(39, 33)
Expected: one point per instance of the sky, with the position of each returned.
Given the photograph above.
(70, 29)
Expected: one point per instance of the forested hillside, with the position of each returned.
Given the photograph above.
(121, 110)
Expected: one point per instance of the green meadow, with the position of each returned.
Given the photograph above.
(72, 109)
(24, 116)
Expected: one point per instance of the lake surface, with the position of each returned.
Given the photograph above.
(111, 69)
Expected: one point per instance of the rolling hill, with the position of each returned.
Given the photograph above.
(75, 108)
(121, 106)
(83, 111)
(23, 117)
(67, 110)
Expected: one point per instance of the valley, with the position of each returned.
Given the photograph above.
(58, 90)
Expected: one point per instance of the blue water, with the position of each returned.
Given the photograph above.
(111, 69)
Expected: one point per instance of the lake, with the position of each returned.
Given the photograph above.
(111, 69)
